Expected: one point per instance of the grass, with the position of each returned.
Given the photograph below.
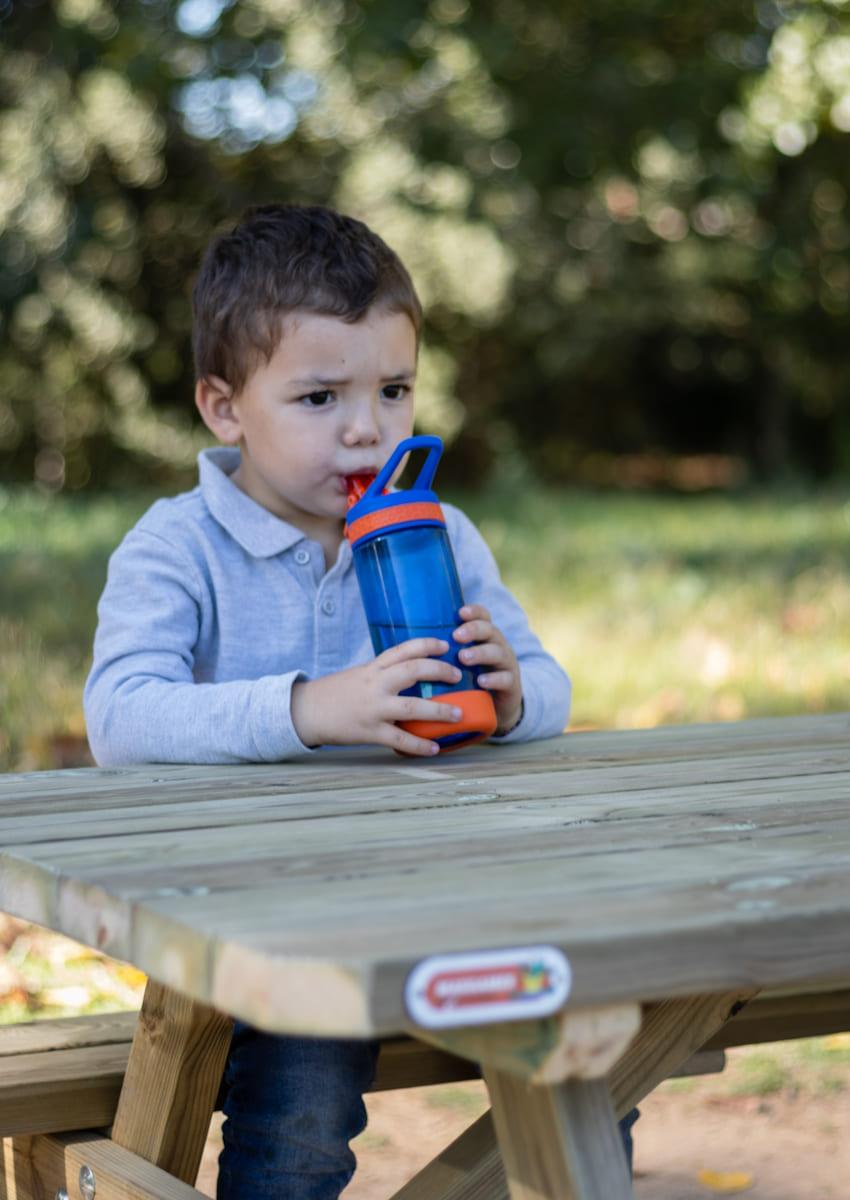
(467, 1099)
(809, 1067)
(671, 609)
(53, 557)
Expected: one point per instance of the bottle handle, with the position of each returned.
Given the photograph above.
(426, 441)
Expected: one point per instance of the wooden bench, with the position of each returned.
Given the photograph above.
(66, 1074)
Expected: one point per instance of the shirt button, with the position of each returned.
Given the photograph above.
(328, 607)
(302, 557)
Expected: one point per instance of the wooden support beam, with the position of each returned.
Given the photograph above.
(558, 1142)
(16, 1176)
(37, 1168)
(671, 1032)
(778, 1018)
(43, 1093)
(173, 1075)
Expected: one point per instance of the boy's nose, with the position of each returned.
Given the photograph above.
(362, 425)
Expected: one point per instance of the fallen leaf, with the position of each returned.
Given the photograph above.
(726, 1181)
(131, 976)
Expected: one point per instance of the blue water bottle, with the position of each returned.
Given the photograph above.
(410, 587)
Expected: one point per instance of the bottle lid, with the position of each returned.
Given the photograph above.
(376, 513)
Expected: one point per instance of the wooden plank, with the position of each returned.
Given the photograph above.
(522, 830)
(78, 1085)
(780, 1018)
(704, 1062)
(671, 1032)
(560, 1142)
(545, 798)
(66, 1033)
(298, 855)
(470, 1168)
(172, 1080)
(50, 793)
(16, 1173)
(535, 867)
(178, 808)
(43, 1165)
(41, 1093)
(119, 871)
(638, 946)
(408, 1063)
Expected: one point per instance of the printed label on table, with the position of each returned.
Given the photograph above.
(490, 985)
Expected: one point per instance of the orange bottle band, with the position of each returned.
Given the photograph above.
(396, 514)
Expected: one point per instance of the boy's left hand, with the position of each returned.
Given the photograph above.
(494, 652)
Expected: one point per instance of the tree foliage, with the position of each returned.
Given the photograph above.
(628, 222)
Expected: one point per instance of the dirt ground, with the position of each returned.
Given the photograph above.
(769, 1127)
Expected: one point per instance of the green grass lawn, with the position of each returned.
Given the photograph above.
(664, 609)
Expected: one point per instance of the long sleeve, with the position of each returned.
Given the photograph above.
(142, 700)
(545, 685)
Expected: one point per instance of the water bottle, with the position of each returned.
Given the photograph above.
(410, 587)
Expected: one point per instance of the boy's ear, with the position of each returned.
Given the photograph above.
(214, 400)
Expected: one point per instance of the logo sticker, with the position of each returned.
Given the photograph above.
(491, 985)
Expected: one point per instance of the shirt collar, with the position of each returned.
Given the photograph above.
(256, 529)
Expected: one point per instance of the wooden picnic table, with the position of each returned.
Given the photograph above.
(679, 871)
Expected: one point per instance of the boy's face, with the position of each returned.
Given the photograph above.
(334, 400)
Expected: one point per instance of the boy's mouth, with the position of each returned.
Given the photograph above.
(355, 485)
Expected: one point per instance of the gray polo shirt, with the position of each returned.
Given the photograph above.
(213, 609)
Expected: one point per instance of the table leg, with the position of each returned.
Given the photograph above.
(558, 1142)
(471, 1167)
(172, 1080)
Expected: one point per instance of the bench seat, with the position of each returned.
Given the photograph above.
(66, 1074)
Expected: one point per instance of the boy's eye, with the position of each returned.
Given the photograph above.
(317, 399)
(396, 391)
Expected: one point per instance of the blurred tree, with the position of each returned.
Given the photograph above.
(628, 222)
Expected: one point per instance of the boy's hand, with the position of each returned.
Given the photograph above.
(362, 704)
(493, 651)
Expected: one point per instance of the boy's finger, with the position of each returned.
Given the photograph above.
(415, 648)
(497, 681)
(471, 612)
(417, 670)
(486, 652)
(409, 708)
(479, 630)
(408, 743)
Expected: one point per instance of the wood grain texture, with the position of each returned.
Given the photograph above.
(299, 896)
(172, 1080)
(61, 1089)
(558, 1143)
(38, 1167)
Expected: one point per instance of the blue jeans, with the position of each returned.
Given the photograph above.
(292, 1105)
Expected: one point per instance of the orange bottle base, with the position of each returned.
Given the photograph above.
(478, 721)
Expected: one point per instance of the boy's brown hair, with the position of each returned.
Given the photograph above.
(282, 257)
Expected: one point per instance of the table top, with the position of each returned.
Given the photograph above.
(299, 896)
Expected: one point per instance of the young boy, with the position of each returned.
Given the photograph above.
(231, 628)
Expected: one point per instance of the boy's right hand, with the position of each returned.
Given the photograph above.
(362, 704)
